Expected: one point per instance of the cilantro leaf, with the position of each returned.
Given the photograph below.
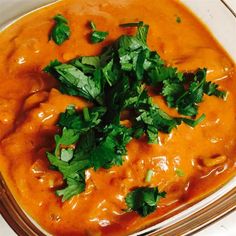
(112, 148)
(92, 146)
(142, 32)
(120, 96)
(61, 30)
(150, 119)
(142, 29)
(185, 94)
(72, 119)
(73, 169)
(211, 89)
(76, 82)
(144, 200)
(68, 137)
(68, 168)
(75, 185)
(50, 68)
(97, 36)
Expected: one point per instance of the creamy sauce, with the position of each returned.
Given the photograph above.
(30, 105)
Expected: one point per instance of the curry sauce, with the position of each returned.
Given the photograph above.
(30, 104)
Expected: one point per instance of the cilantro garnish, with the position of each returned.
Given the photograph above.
(142, 30)
(179, 172)
(178, 19)
(97, 36)
(86, 143)
(211, 89)
(115, 82)
(148, 176)
(61, 30)
(150, 119)
(144, 200)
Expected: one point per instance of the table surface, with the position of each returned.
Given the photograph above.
(225, 226)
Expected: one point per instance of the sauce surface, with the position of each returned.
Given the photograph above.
(30, 104)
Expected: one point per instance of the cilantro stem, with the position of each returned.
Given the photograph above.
(132, 24)
(179, 172)
(86, 114)
(194, 123)
(149, 175)
(225, 95)
(92, 25)
(51, 183)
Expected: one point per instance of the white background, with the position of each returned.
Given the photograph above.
(223, 227)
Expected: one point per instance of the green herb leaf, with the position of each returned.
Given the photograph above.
(71, 119)
(211, 89)
(142, 29)
(97, 146)
(61, 31)
(68, 137)
(112, 147)
(185, 94)
(144, 200)
(151, 119)
(142, 32)
(50, 68)
(76, 82)
(97, 36)
(75, 185)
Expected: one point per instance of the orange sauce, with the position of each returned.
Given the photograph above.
(30, 104)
